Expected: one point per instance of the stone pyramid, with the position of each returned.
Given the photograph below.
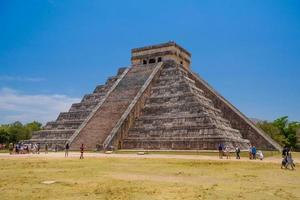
(156, 103)
(177, 115)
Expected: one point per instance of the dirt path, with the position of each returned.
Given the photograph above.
(157, 156)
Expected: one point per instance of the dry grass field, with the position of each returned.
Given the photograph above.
(144, 178)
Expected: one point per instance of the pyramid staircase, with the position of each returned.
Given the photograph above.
(58, 132)
(97, 128)
(177, 115)
(157, 103)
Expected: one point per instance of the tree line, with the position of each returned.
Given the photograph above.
(283, 131)
(15, 132)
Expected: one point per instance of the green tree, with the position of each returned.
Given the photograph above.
(298, 138)
(288, 130)
(282, 123)
(4, 136)
(17, 132)
(283, 131)
(34, 126)
(31, 127)
(273, 131)
(291, 132)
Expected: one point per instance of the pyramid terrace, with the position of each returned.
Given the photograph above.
(156, 103)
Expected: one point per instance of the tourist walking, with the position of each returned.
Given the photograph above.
(284, 152)
(237, 152)
(46, 148)
(290, 161)
(227, 152)
(38, 148)
(284, 162)
(250, 151)
(221, 151)
(11, 148)
(17, 148)
(254, 152)
(67, 150)
(81, 151)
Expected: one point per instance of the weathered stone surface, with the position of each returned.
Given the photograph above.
(157, 103)
(105, 118)
(58, 132)
(178, 116)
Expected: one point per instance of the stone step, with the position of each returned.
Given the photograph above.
(93, 97)
(121, 71)
(192, 107)
(72, 124)
(53, 134)
(173, 71)
(48, 140)
(176, 76)
(100, 89)
(186, 116)
(184, 144)
(205, 122)
(209, 127)
(111, 80)
(87, 105)
(171, 88)
(181, 131)
(176, 97)
(194, 121)
(182, 138)
(174, 133)
(178, 101)
(78, 115)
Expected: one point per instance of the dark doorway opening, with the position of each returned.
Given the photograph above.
(152, 60)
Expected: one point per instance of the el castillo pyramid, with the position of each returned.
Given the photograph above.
(156, 103)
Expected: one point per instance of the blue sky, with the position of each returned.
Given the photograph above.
(53, 52)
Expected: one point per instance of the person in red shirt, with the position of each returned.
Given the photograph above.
(81, 151)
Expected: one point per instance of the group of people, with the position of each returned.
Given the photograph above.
(253, 153)
(21, 148)
(287, 159)
(224, 151)
(67, 147)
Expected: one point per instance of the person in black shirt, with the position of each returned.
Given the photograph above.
(220, 151)
(81, 151)
(67, 147)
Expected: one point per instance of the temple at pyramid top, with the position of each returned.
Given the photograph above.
(161, 52)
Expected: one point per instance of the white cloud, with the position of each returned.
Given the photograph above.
(16, 106)
(21, 79)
